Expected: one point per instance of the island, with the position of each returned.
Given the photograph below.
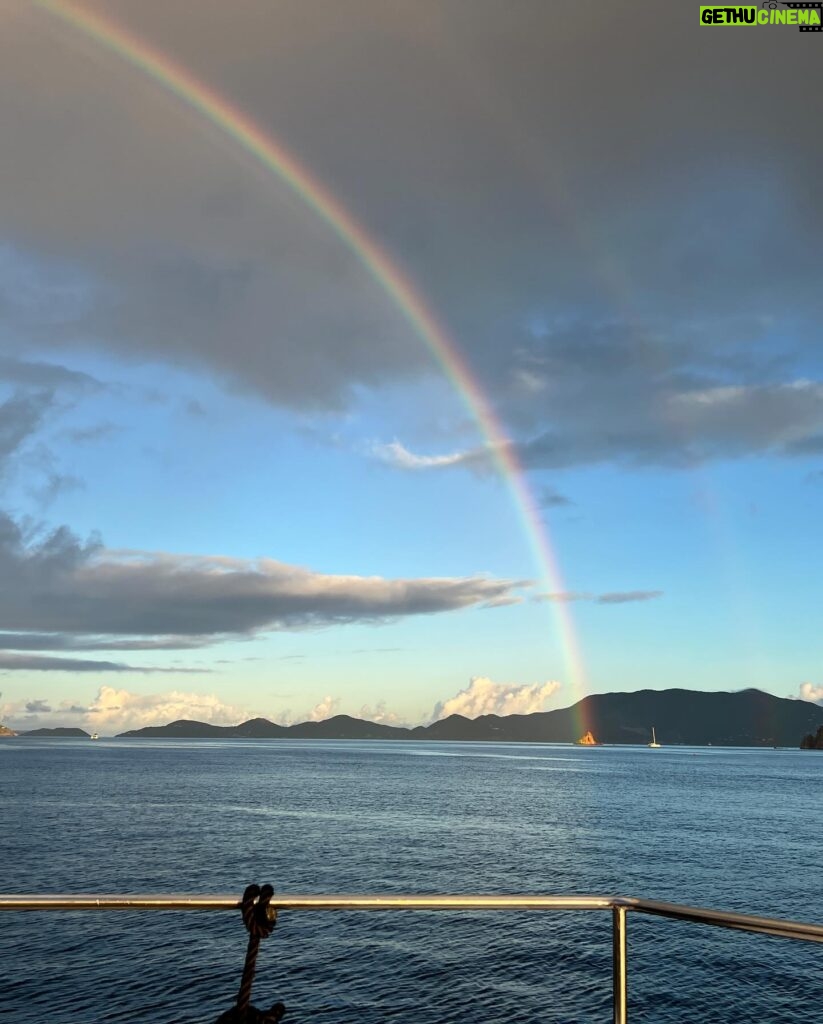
(813, 741)
(746, 718)
(587, 740)
(58, 733)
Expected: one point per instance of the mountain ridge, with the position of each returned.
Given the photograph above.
(748, 717)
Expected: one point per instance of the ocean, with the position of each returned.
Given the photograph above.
(734, 829)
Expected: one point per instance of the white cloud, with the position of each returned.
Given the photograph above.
(808, 691)
(379, 713)
(326, 708)
(397, 455)
(114, 711)
(484, 697)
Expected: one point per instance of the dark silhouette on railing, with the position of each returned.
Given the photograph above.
(619, 906)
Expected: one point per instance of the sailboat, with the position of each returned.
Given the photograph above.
(654, 742)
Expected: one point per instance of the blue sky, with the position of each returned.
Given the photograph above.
(216, 429)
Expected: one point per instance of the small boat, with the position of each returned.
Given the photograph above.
(94, 736)
(654, 742)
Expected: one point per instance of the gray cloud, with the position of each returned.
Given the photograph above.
(55, 485)
(62, 642)
(676, 427)
(37, 707)
(602, 255)
(20, 417)
(44, 375)
(44, 663)
(98, 432)
(550, 497)
(54, 584)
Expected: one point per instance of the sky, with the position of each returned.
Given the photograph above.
(399, 359)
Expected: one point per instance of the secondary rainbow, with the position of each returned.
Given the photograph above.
(274, 156)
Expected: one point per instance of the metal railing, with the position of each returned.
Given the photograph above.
(619, 906)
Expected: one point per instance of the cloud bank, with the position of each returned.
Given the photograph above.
(604, 321)
(114, 711)
(484, 697)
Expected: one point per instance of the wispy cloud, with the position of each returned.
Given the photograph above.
(44, 375)
(398, 455)
(627, 596)
(550, 497)
(96, 432)
(64, 642)
(613, 597)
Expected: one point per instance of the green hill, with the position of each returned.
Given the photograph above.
(748, 718)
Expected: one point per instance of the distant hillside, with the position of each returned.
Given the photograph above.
(61, 733)
(749, 718)
(5, 731)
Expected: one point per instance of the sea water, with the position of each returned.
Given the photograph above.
(732, 829)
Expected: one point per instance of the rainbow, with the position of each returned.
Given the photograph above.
(275, 158)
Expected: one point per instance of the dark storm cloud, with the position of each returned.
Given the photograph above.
(55, 584)
(611, 207)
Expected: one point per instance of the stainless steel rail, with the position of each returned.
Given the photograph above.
(620, 906)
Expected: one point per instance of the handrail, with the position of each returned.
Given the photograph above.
(619, 906)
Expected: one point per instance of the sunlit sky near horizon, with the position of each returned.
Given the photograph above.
(239, 475)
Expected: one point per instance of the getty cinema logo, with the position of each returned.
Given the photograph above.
(807, 16)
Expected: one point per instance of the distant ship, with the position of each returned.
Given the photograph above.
(587, 741)
(94, 736)
(654, 742)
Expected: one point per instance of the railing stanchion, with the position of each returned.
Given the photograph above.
(619, 964)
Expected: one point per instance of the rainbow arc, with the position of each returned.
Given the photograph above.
(273, 155)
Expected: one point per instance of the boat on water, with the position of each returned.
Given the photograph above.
(654, 742)
(94, 736)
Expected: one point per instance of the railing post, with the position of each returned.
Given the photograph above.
(619, 964)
